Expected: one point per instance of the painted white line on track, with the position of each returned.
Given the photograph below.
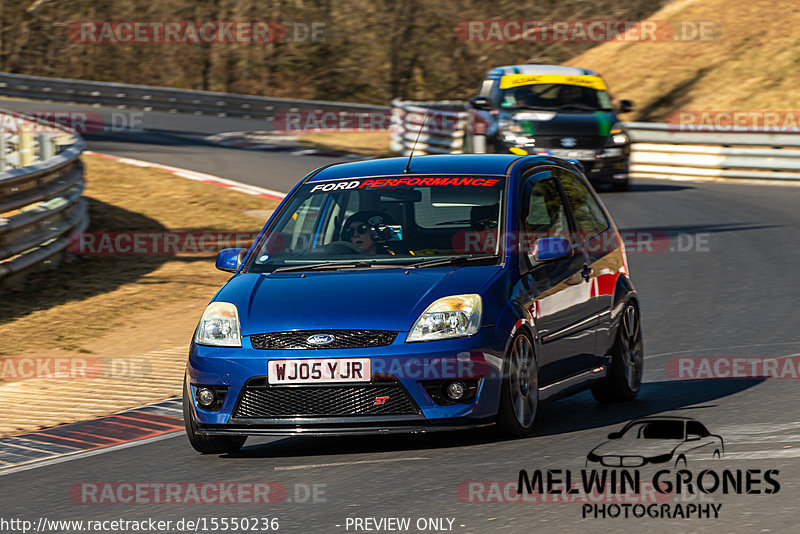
(196, 176)
(338, 464)
(753, 345)
(760, 455)
(34, 464)
(735, 181)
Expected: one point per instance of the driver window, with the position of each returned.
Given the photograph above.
(543, 212)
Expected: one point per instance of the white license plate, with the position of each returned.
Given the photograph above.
(319, 371)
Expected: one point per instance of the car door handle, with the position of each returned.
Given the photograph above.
(587, 273)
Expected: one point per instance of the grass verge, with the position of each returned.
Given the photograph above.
(72, 305)
(364, 143)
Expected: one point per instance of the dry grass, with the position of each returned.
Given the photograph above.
(750, 66)
(80, 300)
(365, 143)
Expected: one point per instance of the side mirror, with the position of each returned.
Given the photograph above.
(625, 105)
(480, 102)
(551, 248)
(614, 435)
(229, 259)
(692, 437)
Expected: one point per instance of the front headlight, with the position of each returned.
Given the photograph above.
(617, 135)
(448, 317)
(219, 326)
(510, 125)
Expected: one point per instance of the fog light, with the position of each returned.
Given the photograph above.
(455, 390)
(206, 397)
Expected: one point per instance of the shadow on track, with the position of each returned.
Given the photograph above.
(639, 187)
(580, 412)
(82, 278)
(677, 229)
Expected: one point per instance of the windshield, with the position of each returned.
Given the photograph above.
(393, 220)
(555, 96)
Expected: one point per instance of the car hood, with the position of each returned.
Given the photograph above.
(539, 123)
(637, 447)
(370, 299)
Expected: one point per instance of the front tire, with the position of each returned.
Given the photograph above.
(519, 396)
(627, 362)
(202, 443)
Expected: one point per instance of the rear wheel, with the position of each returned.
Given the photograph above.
(627, 362)
(519, 396)
(202, 443)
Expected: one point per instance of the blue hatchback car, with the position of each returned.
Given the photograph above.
(397, 295)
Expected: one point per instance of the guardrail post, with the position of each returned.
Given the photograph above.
(479, 128)
(46, 148)
(25, 144)
(3, 148)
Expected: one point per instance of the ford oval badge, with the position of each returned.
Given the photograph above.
(320, 339)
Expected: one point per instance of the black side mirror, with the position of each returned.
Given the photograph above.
(625, 105)
(480, 102)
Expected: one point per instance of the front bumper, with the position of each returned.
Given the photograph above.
(599, 166)
(407, 365)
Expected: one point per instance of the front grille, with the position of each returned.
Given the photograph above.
(343, 339)
(260, 401)
(581, 141)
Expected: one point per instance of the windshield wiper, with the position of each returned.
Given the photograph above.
(329, 266)
(453, 260)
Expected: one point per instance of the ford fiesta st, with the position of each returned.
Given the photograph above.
(395, 295)
(559, 111)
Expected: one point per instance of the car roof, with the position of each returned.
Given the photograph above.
(540, 69)
(662, 418)
(485, 164)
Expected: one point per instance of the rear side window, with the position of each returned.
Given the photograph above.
(589, 218)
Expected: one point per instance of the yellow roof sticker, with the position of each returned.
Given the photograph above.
(581, 80)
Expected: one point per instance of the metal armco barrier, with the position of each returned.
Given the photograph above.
(659, 150)
(41, 182)
(164, 99)
(446, 128)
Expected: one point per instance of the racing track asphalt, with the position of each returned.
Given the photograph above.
(735, 296)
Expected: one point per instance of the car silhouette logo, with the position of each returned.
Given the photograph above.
(568, 142)
(320, 339)
(658, 440)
